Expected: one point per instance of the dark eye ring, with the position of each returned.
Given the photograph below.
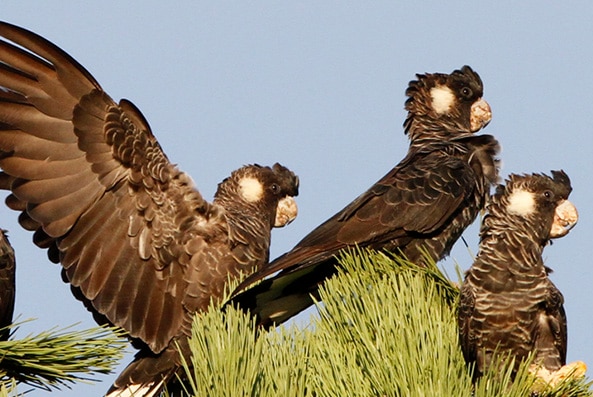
(466, 92)
(275, 188)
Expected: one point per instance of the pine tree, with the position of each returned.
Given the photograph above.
(57, 358)
(385, 328)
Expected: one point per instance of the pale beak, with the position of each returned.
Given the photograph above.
(286, 211)
(480, 115)
(565, 217)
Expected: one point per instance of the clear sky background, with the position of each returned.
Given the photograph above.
(319, 86)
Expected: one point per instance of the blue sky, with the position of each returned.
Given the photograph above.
(319, 87)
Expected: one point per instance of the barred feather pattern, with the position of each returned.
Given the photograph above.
(508, 303)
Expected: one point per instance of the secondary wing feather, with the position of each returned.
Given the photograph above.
(94, 183)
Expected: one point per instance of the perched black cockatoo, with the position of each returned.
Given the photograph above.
(424, 203)
(508, 303)
(136, 240)
(7, 284)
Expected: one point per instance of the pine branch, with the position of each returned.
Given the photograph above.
(371, 263)
(230, 356)
(386, 327)
(58, 357)
(7, 388)
(391, 330)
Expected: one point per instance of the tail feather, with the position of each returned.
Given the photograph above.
(148, 374)
(137, 390)
(275, 300)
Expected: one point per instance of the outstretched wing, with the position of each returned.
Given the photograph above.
(93, 183)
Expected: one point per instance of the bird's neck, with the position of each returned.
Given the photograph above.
(420, 126)
(502, 247)
(423, 136)
(248, 233)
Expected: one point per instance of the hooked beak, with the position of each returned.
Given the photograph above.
(565, 217)
(480, 115)
(286, 211)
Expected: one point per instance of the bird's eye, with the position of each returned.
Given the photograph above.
(466, 92)
(275, 188)
(547, 194)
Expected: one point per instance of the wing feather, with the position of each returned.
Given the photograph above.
(49, 64)
(92, 180)
(41, 125)
(418, 197)
(550, 333)
(465, 317)
(34, 148)
(415, 197)
(44, 180)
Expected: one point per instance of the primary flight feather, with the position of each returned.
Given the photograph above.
(137, 242)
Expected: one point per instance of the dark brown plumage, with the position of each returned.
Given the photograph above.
(507, 300)
(425, 202)
(136, 240)
(7, 284)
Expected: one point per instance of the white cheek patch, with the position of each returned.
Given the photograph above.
(251, 189)
(521, 202)
(442, 99)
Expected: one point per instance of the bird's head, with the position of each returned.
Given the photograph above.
(538, 202)
(265, 193)
(446, 105)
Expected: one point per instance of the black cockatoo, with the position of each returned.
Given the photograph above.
(508, 303)
(136, 240)
(424, 203)
(7, 284)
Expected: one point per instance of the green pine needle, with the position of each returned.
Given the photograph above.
(232, 358)
(386, 327)
(391, 330)
(58, 357)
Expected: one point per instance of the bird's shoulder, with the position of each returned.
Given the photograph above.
(418, 195)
